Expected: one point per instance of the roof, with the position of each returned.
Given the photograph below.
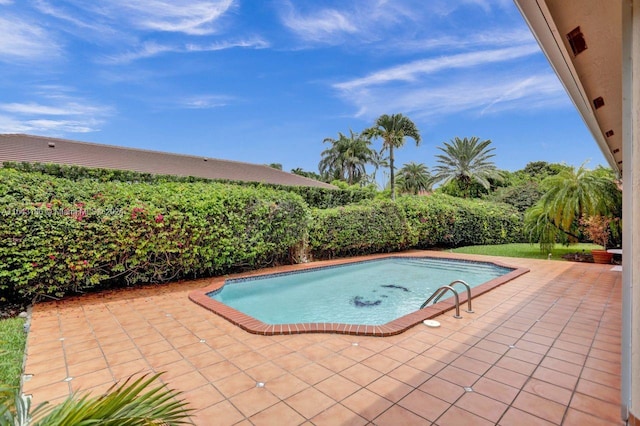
(40, 149)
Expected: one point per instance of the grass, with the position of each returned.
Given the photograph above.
(526, 250)
(12, 345)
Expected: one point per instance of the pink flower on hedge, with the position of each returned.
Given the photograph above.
(34, 264)
(136, 210)
(52, 257)
(80, 215)
(159, 218)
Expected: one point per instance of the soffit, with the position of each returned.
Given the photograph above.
(593, 73)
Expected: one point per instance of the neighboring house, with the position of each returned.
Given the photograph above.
(40, 149)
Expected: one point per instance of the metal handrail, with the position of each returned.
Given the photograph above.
(440, 292)
(468, 294)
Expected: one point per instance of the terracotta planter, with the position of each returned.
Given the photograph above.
(601, 256)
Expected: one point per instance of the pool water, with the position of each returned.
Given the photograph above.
(372, 292)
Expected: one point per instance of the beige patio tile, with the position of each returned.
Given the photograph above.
(482, 406)
(234, 384)
(398, 415)
(337, 387)
(424, 405)
(284, 414)
(390, 388)
(338, 415)
(555, 317)
(367, 404)
(285, 386)
(442, 389)
(540, 407)
(458, 416)
(309, 402)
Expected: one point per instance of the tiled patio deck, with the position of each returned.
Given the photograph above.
(543, 349)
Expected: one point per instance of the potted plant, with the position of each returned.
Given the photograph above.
(596, 228)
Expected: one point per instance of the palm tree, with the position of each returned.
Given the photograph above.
(392, 129)
(465, 161)
(130, 403)
(347, 157)
(413, 178)
(569, 196)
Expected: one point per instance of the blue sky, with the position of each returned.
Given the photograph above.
(265, 81)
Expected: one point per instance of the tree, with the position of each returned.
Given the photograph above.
(467, 161)
(393, 129)
(541, 169)
(413, 178)
(347, 157)
(276, 166)
(301, 172)
(570, 196)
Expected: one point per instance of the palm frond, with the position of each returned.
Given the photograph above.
(131, 403)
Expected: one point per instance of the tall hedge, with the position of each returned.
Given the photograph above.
(443, 220)
(372, 227)
(60, 236)
(314, 196)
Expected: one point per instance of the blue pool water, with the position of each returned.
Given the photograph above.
(371, 292)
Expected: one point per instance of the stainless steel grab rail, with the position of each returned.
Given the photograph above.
(439, 292)
(468, 294)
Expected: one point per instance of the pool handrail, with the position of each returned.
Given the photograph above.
(440, 292)
(467, 286)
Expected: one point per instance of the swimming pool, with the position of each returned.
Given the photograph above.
(377, 296)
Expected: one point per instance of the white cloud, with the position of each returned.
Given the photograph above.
(474, 95)
(151, 49)
(146, 50)
(205, 101)
(54, 113)
(192, 17)
(412, 70)
(21, 40)
(185, 16)
(320, 27)
(255, 43)
(484, 40)
(363, 20)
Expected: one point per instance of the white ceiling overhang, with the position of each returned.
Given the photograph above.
(594, 73)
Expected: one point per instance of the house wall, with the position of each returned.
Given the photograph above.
(631, 211)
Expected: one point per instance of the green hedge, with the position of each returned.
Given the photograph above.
(314, 196)
(61, 236)
(443, 220)
(373, 227)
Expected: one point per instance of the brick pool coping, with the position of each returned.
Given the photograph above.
(397, 326)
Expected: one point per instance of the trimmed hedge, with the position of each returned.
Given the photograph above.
(353, 230)
(446, 221)
(314, 196)
(61, 236)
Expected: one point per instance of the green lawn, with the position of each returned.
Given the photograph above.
(12, 344)
(526, 250)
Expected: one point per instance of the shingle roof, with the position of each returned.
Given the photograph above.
(40, 149)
